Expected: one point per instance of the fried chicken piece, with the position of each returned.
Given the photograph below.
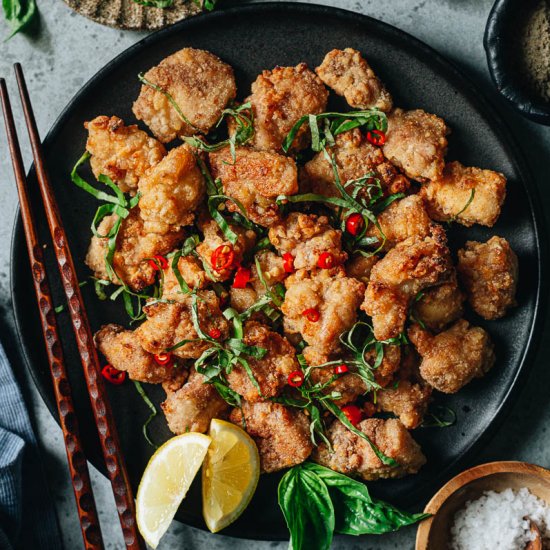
(171, 191)
(271, 371)
(359, 267)
(191, 271)
(306, 237)
(123, 153)
(168, 324)
(416, 143)
(193, 406)
(408, 400)
(489, 273)
(465, 195)
(349, 75)
(214, 239)
(134, 247)
(123, 351)
(411, 266)
(255, 179)
(281, 433)
(400, 220)
(279, 98)
(355, 158)
(198, 82)
(391, 362)
(333, 295)
(439, 306)
(353, 455)
(454, 357)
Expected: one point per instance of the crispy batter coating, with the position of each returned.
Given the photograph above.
(400, 220)
(353, 455)
(279, 98)
(271, 371)
(411, 266)
(123, 153)
(306, 237)
(171, 191)
(489, 273)
(454, 357)
(465, 195)
(134, 246)
(199, 83)
(349, 75)
(359, 267)
(416, 142)
(192, 273)
(355, 158)
(390, 364)
(123, 351)
(336, 298)
(214, 238)
(407, 400)
(255, 179)
(193, 406)
(168, 324)
(281, 433)
(439, 306)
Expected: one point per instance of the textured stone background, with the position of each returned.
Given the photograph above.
(69, 50)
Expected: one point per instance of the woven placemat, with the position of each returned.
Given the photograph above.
(127, 14)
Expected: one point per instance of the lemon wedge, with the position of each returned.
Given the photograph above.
(229, 475)
(166, 481)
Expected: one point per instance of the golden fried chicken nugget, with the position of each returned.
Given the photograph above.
(122, 349)
(359, 267)
(279, 98)
(255, 179)
(321, 306)
(454, 357)
(465, 195)
(191, 271)
(171, 191)
(134, 247)
(123, 153)
(307, 237)
(407, 400)
(349, 75)
(193, 406)
(198, 82)
(281, 433)
(355, 158)
(271, 371)
(352, 455)
(411, 266)
(391, 363)
(489, 273)
(170, 323)
(416, 143)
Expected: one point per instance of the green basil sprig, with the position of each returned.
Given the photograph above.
(152, 414)
(317, 502)
(19, 14)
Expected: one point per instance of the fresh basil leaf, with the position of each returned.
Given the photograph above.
(307, 508)
(19, 14)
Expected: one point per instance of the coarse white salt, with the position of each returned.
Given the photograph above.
(500, 520)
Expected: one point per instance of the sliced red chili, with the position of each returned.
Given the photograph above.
(158, 262)
(353, 413)
(341, 369)
(295, 379)
(355, 224)
(311, 314)
(326, 260)
(376, 137)
(288, 262)
(242, 277)
(112, 375)
(223, 257)
(214, 333)
(163, 358)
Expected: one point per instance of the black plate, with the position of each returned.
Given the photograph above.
(251, 39)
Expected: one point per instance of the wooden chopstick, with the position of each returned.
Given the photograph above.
(80, 476)
(99, 399)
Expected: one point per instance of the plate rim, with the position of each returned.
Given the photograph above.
(474, 92)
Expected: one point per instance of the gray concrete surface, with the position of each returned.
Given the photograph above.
(70, 49)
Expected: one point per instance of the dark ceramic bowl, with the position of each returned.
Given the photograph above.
(502, 27)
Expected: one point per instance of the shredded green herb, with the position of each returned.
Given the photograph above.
(468, 202)
(439, 417)
(152, 415)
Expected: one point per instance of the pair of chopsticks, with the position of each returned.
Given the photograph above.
(108, 435)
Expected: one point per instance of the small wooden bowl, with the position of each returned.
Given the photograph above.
(434, 533)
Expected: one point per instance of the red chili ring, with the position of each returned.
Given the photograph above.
(223, 257)
(288, 262)
(242, 277)
(295, 379)
(311, 314)
(353, 414)
(376, 137)
(163, 358)
(112, 375)
(326, 260)
(354, 224)
(157, 261)
(214, 333)
(341, 369)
